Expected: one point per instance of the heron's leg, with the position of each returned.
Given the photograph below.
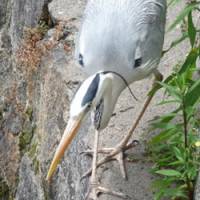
(93, 193)
(95, 189)
(121, 146)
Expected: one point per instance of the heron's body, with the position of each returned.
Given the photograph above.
(116, 33)
(120, 41)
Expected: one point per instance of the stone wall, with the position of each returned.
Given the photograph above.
(34, 106)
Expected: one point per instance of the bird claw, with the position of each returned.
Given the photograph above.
(135, 142)
(119, 156)
(95, 190)
(90, 152)
(88, 173)
(87, 153)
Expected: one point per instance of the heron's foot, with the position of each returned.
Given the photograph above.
(95, 190)
(116, 153)
(90, 152)
(119, 157)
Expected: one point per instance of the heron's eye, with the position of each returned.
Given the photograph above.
(89, 105)
(80, 60)
(138, 62)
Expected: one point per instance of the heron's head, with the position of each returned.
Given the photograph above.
(98, 94)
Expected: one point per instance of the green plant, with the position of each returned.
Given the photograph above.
(174, 150)
(4, 189)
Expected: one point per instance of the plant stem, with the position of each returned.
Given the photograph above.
(185, 124)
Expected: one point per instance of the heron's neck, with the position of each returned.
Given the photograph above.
(110, 99)
(118, 86)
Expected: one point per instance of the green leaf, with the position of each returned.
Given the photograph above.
(159, 86)
(154, 90)
(191, 29)
(175, 192)
(163, 125)
(168, 102)
(173, 2)
(168, 117)
(163, 136)
(159, 195)
(178, 154)
(172, 91)
(190, 61)
(169, 172)
(193, 94)
(161, 183)
(183, 14)
(175, 163)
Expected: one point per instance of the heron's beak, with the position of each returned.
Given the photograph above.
(69, 134)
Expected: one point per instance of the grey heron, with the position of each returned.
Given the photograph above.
(120, 41)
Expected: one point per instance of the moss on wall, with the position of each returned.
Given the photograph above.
(4, 190)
